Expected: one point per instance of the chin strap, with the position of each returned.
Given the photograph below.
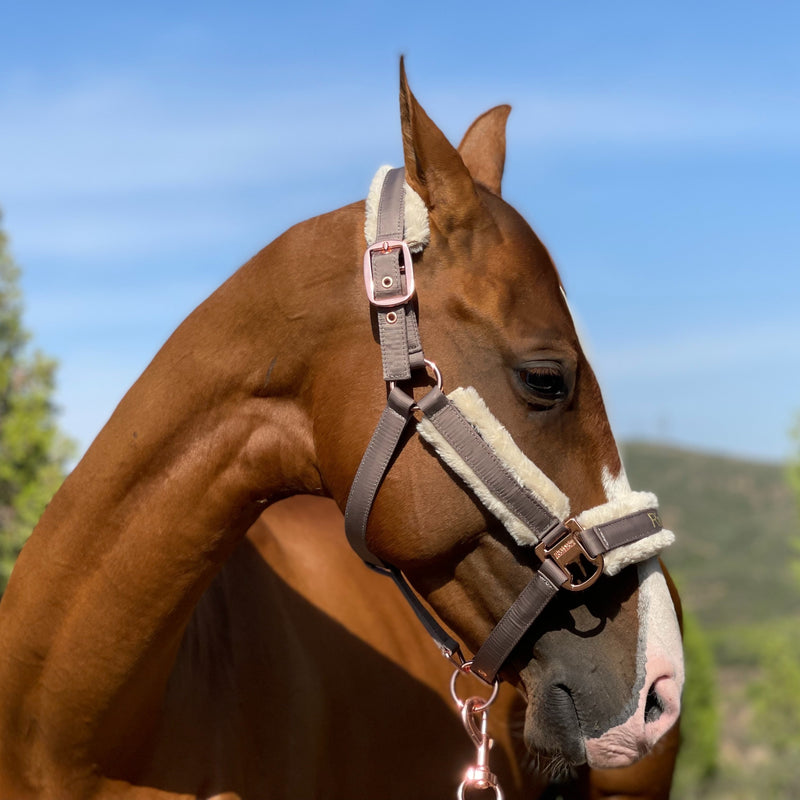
(468, 438)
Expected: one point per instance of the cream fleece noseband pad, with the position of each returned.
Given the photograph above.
(627, 502)
(522, 469)
(530, 477)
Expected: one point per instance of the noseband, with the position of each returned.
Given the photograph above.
(572, 551)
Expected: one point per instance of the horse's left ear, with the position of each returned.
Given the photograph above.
(434, 169)
(483, 148)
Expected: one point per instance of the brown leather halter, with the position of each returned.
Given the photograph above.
(570, 556)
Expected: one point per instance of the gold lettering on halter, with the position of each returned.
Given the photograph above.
(655, 519)
(565, 548)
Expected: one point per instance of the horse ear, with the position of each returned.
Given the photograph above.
(434, 169)
(483, 148)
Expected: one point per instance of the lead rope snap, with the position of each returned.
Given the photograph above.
(475, 718)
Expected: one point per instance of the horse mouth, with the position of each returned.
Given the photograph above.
(552, 732)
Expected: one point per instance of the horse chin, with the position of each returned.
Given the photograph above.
(555, 768)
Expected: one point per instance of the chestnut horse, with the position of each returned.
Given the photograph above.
(128, 671)
(386, 678)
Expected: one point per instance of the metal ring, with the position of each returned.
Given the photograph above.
(459, 702)
(431, 365)
(436, 374)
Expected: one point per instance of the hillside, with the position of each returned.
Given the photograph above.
(737, 531)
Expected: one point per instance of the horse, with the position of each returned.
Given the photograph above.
(123, 673)
(391, 682)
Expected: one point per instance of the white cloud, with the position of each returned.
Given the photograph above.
(59, 232)
(114, 135)
(111, 136)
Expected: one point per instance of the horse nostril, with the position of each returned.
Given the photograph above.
(653, 706)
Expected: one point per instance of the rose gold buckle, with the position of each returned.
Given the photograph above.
(572, 557)
(406, 268)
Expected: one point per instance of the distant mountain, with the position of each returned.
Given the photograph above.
(737, 529)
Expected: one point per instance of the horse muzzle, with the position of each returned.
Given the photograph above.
(657, 710)
(556, 727)
(587, 702)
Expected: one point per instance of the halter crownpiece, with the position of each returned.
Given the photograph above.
(416, 228)
(572, 552)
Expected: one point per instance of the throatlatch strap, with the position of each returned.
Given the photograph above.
(371, 471)
(447, 644)
(380, 450)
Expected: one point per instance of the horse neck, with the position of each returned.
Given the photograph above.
(215, 429)
(217, 426)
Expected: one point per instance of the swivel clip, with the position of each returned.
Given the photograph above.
(478, 776)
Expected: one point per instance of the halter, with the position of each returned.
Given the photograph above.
(572, 551)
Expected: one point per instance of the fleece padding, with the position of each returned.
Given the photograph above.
(622, 501)
(417, 228)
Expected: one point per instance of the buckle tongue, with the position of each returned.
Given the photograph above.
(580, 569)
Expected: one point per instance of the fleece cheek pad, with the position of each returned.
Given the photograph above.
(529, 476)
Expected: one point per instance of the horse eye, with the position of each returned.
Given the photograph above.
(543, 383)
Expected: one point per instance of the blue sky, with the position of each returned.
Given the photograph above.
(148, 149)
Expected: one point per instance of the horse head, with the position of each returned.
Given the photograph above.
(601, 669)
(273, 387)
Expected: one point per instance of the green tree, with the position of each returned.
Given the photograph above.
(775, 696)
(793, 467)
(33, 453)
(793, 478)
(698, 759)
(775, 693)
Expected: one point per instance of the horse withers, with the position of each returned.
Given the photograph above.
(273, 387)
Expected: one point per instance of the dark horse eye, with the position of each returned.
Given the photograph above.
(544, 384)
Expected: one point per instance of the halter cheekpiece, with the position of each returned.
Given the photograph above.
(572, 551)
